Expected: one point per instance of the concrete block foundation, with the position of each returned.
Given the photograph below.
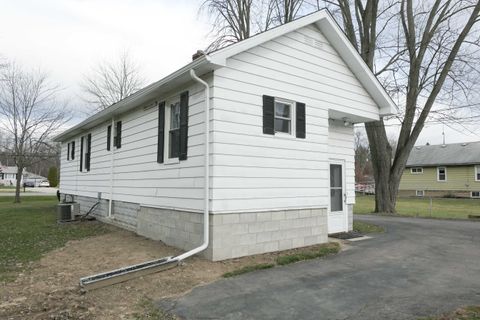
(232, 235)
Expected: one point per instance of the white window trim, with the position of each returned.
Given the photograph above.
(293, 108)
(166, 148)
(476, 197)
(438, 174)
(420, 191)
(412, 172)
(477, 171)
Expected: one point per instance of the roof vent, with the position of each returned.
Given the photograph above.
(418, 147)
(443, 146)
(464, 144)
(197, 55)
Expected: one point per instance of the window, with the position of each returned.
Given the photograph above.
(475, 194)
(420, 193)
(117, 140)
(172, 144)
(441, 174)
(173, 130)
(477, 173)
(85, 152)
(283, 117)
(109, 137)
(417, 170)
(71, 150)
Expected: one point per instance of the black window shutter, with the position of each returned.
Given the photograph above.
(300, 121)
(73, 150)
(161, 131)
(268, 115)
(88, 153)
(68, 151)
(81, 153)
(109, 137)
(183, 126)
(118, 140)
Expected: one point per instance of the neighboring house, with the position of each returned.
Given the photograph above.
(281, 156)
(8, 176)
(443, 170)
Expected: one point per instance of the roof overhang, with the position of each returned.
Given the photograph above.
(453, 164)
(148, 94)
(337, 38)
(207, 63)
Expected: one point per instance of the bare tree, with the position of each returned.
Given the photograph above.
(237, 20)
(29, 114)
(362, 157)
(434, 54)
(286, 10)
(232, 21)
(110, 82)
(424, 52)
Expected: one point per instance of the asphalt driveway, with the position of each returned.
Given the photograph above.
(419, 267)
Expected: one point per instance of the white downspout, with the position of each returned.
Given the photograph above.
(110, 202)
(207, 173)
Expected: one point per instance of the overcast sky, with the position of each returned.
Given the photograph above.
(68, 37)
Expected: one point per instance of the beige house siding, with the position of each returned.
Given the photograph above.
(460, 181)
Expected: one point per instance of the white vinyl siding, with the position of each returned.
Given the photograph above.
(137, 177)
(250, 171)
(253, 171)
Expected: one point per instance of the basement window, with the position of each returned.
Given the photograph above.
(475, 194)
(420, 193)
(417, 170)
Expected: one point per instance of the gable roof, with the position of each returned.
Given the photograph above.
(217, 59)
(442, 155)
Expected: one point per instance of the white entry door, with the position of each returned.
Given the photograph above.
(337, 209)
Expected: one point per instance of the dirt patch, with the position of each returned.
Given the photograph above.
(49, 290)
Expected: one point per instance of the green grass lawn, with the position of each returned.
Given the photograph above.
(30, 229)
(441, 207)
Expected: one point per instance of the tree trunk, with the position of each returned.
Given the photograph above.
(386, 183)
(18, 184)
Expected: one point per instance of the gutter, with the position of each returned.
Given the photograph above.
(206, 202)
(133, 271)
(133, 100)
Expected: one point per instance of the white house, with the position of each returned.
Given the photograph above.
(8, 175)
(279, 170)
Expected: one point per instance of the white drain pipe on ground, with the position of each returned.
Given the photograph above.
(206, 204)
(126, 273)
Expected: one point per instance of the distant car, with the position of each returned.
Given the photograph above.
(30, 184)
(44, 183)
